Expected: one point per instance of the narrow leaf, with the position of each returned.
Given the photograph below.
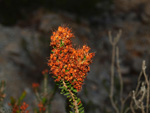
(22, 97)
(80, 109)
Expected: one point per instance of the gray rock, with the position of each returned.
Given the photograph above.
(16, 48)
(50, 21)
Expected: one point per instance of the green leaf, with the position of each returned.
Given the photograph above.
(84, 58)
(82, 108)
(67, 83)
(80, 105)
(62, 87)
(12, 100)
(82, 111)
(66, 89)
(66, 93)
(44, 100)
(68, 96)
(78, 100)
(18, 111)
(72, 88)
(75, 90)
(71, 106)
(52, 51)
(70, 99)
(71, 103)
(61, 44)
(55, 77)
(57, 83)
(71, 112)
(66, 70)
(22, 97)
(69, 86)
(61, 92)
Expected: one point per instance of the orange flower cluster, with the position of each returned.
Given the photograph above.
(45, 72)
(41, 107)
(17, 108)
(23, 108)
(67, 63)
(35, 85)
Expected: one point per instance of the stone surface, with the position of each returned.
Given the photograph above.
(50, 21)
(128, 5)
(17, 48)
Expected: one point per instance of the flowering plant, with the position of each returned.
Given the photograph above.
(69, 66)
(17, 105)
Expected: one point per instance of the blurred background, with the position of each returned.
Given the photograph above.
(25, 30)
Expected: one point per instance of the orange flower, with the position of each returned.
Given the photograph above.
(45, 71)
(66, 62)
(16, 108)
(35, 85)
(23, 108)
(41, 107)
